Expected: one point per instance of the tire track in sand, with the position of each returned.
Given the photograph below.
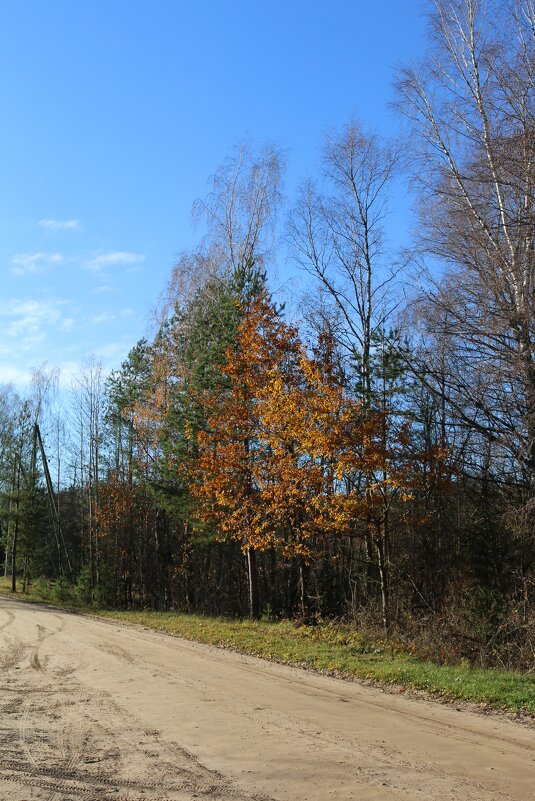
(62, 741)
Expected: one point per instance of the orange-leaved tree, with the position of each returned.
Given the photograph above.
(267, 468)
(232, 446)
(290, 457)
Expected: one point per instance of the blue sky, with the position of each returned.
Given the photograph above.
(114, 114)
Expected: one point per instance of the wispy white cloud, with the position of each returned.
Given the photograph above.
(113, 352)
(9, 374)
(69, 371)
(28, 316)
(109, 316)
(20, 377)
(31, 331)
(67, 324)
(31, 263)
(34, 329)
(27, 320)
(112, 258)
(60, 225)
(105, 317)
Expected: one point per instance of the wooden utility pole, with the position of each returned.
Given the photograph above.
(60, 542)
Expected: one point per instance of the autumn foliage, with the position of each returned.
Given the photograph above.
(289, 457)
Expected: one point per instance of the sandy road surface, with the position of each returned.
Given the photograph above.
(95, 710)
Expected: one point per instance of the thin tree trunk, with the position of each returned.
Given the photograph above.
(383, 580)
(16, 529)
(254, 608)
(303, 591)
(14, 548)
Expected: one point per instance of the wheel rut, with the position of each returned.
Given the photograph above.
(61, 740)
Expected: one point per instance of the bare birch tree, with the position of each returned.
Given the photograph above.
(472, 105)
(336, 234)
(240, 211)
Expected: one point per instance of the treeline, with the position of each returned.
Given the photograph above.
(368, 457)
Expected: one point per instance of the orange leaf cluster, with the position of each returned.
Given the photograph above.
(289, 456)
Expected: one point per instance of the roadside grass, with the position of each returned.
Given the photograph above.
(328, 648)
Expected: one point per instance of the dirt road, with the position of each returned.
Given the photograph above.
(95, 710)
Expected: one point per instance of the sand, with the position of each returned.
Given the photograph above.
(92, 709)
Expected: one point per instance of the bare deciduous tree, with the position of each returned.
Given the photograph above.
(336, 233)
(241, 208)
(472, 105)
